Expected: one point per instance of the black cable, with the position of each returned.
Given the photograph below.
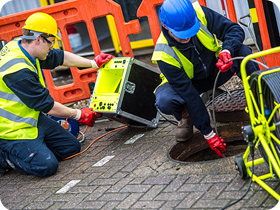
(250, 183)
(110, 129)
(213, 103)
(253, 60)
(215, 84)
(171, 121)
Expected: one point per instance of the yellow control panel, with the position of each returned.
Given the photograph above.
(104, 103)
(109, 85)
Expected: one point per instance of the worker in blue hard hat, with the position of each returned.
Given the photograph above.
(189, 57)
(30, 141)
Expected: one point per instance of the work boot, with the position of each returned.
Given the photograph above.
(184, 130)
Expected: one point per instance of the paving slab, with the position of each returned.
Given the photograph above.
(114, 174)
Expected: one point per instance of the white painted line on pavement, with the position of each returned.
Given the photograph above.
(103, 161)
(134, 139)
(68, 186)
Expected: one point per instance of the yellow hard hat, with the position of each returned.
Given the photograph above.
(41, 22)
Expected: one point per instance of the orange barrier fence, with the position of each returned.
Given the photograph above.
(202, 2)
(273, 59)
(67, 13)
(147, 9)
(231, 10)
(262, 24)
(74, 11)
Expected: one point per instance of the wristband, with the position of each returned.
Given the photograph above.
(93, 64)
(225, 50)
(210, 135)
(78, 116)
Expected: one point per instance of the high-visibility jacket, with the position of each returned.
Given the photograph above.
(17, 121)
(171, 55)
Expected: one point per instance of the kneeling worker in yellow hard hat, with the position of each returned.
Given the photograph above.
(30, 141)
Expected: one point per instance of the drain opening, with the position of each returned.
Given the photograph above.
(206, 154)
(230, 116)
(197, 149)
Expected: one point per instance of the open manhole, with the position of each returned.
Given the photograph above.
(197, 149)
(231, 116)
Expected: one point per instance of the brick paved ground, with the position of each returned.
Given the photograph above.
(136, 176)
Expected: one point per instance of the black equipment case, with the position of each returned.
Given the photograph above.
(124, 92)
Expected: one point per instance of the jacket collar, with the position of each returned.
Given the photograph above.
(33, 61)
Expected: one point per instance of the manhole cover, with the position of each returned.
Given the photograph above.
(230, 107)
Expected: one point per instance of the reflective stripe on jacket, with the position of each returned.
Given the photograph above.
(17, 121)
(171, 55)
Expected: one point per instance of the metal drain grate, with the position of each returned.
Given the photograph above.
(224, 102)
(230, 108)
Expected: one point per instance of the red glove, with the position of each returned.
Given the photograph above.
(88, 116)
(223, 63)
(217, 144)
(102, 58)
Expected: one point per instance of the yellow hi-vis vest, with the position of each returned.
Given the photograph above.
(171, 55)
(17, 121)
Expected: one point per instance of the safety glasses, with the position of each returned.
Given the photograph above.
(51, 43)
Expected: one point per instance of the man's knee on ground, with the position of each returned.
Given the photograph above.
(46, 168)
(74, 148)
(77, 147)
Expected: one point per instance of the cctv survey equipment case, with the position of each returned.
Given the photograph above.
(124, 92)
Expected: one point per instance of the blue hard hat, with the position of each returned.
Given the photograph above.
(180, 18)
